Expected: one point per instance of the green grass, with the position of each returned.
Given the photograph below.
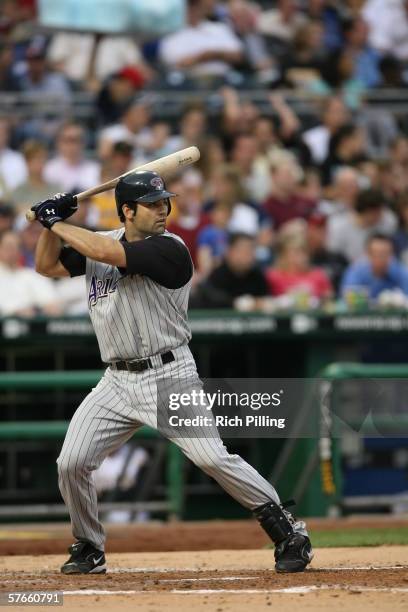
(365, 536)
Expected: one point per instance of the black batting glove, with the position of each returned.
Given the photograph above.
(55, 209)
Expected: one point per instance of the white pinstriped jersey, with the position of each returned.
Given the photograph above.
(133, 316)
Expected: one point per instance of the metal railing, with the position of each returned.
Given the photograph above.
(55, 430)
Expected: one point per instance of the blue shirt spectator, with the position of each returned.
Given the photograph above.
(379, 271)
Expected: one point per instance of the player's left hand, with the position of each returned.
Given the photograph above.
(57, 208)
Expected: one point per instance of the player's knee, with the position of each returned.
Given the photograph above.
(70, 465)
(212, 460)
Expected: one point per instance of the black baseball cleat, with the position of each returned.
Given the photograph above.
(84, 559)
(293, 554)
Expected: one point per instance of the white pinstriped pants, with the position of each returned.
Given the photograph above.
(121, 403)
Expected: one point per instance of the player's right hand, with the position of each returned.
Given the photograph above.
(57, 208)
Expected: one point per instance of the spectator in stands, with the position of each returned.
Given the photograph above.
(7, 215)
(237, 276)
(116, 164)
(203, 50)
(346, 148)
(23, 292)
(328, 15)
(13, 169)
(29, 234)
(212, 239)
(379, 271)
(189, 218)
(400, 237)
(243, 16)
(388, 23)
(228, 189)
(117, 93)
(364, 58)
(333, 264)
(302, 66)
(343, 192)
(192, 128)
(334, 116)
(293, 273)
(254, 177)
(348, 232)
(132, 128)
(38, 79)
(87, 60)
(69, 167)
(8, 78)
(35, 188)
(280, 24)
(285, 201)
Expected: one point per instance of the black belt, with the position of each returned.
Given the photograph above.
(140, 365)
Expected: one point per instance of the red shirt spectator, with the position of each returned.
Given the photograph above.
(285, 202)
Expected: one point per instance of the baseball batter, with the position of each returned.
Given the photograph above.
(138, 281)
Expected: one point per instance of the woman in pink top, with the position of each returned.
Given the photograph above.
(292, 272)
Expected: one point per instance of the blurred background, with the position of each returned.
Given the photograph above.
(296, 217)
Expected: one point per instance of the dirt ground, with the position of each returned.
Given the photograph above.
(345, 579)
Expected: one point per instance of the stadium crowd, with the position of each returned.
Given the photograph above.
(282, 210)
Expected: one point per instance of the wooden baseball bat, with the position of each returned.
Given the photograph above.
(164, 166)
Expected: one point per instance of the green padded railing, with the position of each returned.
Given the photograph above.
(330, 456)
(46, 430)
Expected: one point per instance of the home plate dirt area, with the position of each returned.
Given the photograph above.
(373, 578)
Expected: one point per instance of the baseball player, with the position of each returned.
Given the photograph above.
(138, 280)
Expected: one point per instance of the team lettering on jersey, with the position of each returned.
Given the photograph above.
(99, 288)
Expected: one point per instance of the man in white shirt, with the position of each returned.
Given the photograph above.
(13, 169)
(335, 115)
(70, 168)
(388, 23)
(132, 128)
(203, 49)
(22, 291)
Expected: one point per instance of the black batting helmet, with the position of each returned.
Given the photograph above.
(143, 186)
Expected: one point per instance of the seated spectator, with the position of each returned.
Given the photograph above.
(88, 60)
(237, 275)
(285, 201)
(7, 215)
(34, 188)
(333, 264)
(255, 177)
(29, 234)
(334, 116)
(212, 239)
(303, 65)
(388, 23)
(8, 78)
(328, 15)
(203, 49)
(39, 79)
(364, 58)
(23, 292)
(131, 128)
(13, 169)
(192, 128)
(227, 189)
(379, 271)
(280, 24)
(343, 192)
(188, 219)
(348, 232)
(117, 163)
(116, 93)
(69, 167)
(346, 148)
(243, 16)
(293, 273)
(400, 237)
